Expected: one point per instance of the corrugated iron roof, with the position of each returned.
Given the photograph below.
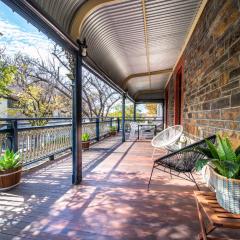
(129, 37)
(61, 11)
(116, 38)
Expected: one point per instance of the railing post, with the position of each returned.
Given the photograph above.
(77, 121)
(123, 117)
(111, 122)
(97, 129)
(14, 135)
(134, 111)
(163, 114)
(118, 124)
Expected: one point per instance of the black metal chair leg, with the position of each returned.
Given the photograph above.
(192, 177)
(150, 177)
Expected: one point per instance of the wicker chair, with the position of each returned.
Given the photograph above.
(181, 162)
(166, 138)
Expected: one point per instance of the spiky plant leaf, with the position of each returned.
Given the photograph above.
(205, 151)
(220, 149)
(229, 152)
(222, 156)
(237, 151)
(85, 137)
(231, 168)
(220, 168)
(9, 160)
(200, 163)
(212, 149)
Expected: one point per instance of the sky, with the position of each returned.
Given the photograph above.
(17, 35)
(20, 36)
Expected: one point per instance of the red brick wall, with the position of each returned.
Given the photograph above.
(211, 76)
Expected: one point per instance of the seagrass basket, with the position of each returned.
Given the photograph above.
(227, 191)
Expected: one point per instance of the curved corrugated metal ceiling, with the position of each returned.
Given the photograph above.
(129, 37)
(123, 42)
(60, 11)
(115, 37)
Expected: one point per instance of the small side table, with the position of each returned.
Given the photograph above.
(147, 125)
(217, 217)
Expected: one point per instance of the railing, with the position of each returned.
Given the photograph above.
(35, 143)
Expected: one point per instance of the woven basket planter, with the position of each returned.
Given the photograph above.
(227, 191)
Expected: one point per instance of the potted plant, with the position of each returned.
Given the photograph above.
(10, 170)
(85, 141)
(224, 165)
(113, 131)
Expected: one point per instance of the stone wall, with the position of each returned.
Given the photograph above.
(211, 62)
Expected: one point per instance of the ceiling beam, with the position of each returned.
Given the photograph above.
(83, 12)
(144, 101)
(144, 74)
(150, 91)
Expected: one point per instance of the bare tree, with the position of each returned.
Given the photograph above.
(54, 76)
(97, 97)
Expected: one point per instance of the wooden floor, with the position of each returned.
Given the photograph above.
(111, 203)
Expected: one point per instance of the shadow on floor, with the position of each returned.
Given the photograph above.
(111, 203)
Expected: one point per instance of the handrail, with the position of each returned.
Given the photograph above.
(36, 143)
(35, 119)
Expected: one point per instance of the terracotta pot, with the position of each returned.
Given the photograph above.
(11, 180)
(85, 145)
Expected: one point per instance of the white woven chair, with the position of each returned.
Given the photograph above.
(166, 138)
(133, 129)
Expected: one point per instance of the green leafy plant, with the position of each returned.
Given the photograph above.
(85, 137)
(222, 156)
(7, 74)
(9, 160)
(113, 129)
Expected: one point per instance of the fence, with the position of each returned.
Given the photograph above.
(35, 143)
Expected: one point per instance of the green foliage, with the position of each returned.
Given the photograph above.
(113, 129)
(37, 102)
(151, 109)
(129, 111)
(9, 160)
(222, 156)
(7, 74)
(85, 137)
